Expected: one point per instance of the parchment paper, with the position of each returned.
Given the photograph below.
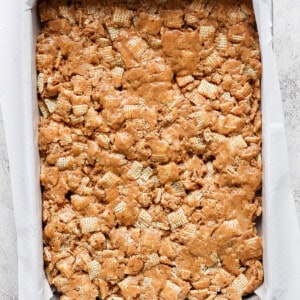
(281, 236)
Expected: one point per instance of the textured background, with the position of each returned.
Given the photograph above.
(287, 50)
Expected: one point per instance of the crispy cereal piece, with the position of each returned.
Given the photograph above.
(117, 74)
(40, 82)
(213, 61)
(132, 111)
(89, 225)
(137, 47)
(170, 291)
(183, 81)
(65, 162)
(135, 170)
(172, 18)
(122, 17)
(191, 20)
(80, 110)
(168, 173)
(222, 42)
(80, 202)
(146, 174)
(126, 213)
(177, 219)
(149, 23)
(242, 92)
(107, 55)
(197, 145)
(238, 286)
(208, 89)
(51, 105)
(93, 269)
(144, 220)
(129, 287)
(206, 32)
(109, 180)
(134, 265)
(113, 32)
(97, 240)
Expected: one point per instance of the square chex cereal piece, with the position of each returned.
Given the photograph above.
(177, 219)
(90, 224)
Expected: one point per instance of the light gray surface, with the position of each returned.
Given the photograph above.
(8, 255)
(287, 49)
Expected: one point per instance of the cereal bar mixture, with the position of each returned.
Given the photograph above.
(150, 143)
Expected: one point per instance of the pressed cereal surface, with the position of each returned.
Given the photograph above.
(150, 142)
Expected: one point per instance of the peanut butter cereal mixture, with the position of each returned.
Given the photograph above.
(150, 142)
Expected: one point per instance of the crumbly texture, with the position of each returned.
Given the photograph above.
(150, 142)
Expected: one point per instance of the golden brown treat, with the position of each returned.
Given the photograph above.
(150, 142)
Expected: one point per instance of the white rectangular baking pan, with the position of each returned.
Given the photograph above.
(281, 237)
